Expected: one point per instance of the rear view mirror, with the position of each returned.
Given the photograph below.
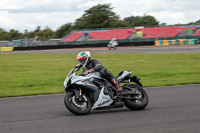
(79, 65)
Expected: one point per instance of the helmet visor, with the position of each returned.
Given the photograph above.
(82, 61)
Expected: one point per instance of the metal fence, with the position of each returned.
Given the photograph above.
(28, 42)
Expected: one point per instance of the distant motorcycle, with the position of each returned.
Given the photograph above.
(112, 47)
(93, 92)
(112, 44)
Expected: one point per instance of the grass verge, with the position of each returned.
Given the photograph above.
(34, 74)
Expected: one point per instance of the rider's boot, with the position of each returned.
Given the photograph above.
(117, 86)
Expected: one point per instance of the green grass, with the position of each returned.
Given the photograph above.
(33, 74)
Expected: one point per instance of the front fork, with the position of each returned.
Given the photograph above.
(78, 94)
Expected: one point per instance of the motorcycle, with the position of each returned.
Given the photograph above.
(112, 47)
(93, 92)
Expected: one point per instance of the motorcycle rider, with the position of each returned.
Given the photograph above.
(93, 65)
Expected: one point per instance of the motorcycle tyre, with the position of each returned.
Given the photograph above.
(134, 106)
(74, 111)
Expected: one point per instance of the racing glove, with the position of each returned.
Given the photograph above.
(91, 70)
(86, 72)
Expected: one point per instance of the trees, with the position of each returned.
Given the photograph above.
(14, 34)
(9, 36)
(195, 23)
(100, 16)
(146, 20)
(129, 20)
(63, 30)
(45, 34)
(3, 35)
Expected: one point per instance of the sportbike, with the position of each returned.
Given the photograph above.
(93, 92)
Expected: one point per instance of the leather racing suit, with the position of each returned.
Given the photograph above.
(96, 66)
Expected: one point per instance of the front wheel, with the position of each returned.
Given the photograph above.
(78, 107)
(141, 99)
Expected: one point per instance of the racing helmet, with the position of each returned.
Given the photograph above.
(84, 57)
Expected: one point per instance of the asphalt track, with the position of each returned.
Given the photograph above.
(133, 49)
(172, 109)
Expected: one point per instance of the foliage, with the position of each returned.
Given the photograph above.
(63, 30)
(195, 23)
(100, 16)
(129, 20)
(3, 34)
(45, 34)
(145, 20)
(11, 35)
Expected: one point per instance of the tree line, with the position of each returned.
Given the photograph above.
(99, 16)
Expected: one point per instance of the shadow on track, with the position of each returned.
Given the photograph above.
(108, 111)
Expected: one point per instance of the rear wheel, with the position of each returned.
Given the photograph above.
(78, 107)
(139, 101)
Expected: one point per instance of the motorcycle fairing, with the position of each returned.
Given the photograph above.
(82, 78)
(103, 100)
(122, 75)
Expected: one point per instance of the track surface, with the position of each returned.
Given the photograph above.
(171, 109)
(133, 49)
